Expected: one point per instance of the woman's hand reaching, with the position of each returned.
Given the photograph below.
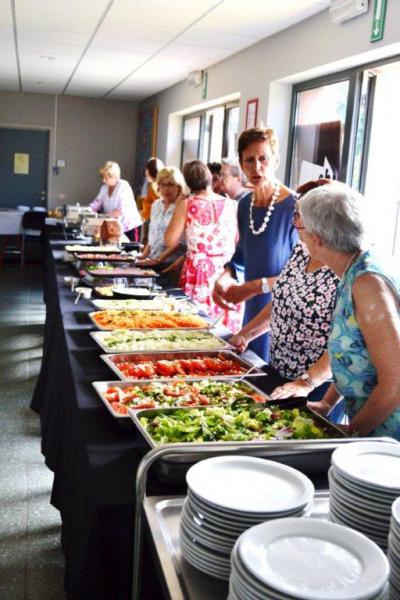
(239, 342)
(297, 388)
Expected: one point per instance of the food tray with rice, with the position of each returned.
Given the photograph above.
(109, 320)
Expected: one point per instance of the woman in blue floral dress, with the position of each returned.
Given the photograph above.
(364, 342)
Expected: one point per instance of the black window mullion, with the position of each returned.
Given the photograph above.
(350, 127)
(367, 131)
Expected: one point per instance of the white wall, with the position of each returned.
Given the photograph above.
(89, 131)
(268, 69)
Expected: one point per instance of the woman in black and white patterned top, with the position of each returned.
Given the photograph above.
(298, 318)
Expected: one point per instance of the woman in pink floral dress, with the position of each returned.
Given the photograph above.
(210, 225)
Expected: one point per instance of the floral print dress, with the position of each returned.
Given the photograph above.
(302, 309)
(211, 233)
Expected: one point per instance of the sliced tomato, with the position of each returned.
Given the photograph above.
(186, 365)
(174, 391)
(111, 397)
(212, 363)
(204, 400)
(119, 408)
(198, 365)
(166, 368)
(145, 403)
(258, 398)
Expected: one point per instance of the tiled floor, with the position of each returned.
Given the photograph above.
(31, 561)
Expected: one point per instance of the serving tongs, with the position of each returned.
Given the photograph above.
(283, 403)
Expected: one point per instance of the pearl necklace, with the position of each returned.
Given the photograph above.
(268, 214)
(350, 262)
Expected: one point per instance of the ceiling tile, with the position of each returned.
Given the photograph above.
(139, 47)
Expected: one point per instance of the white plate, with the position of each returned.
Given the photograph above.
(252, 518)
(396, 511)
(369, 528)
(249, 485)
(311, 559)
(246, 580)
(353, 498)
(366, 493)
(375, 464)
(222, 560)
(206, 539)
(206, 568)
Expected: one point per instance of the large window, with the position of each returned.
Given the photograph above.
(321, 128)
(191, 138)
(347, 126)
(211, 134)
(319, 132)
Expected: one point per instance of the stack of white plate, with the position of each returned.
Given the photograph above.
(307, 559)
(229, 494)
(364, 481)
(394, 550)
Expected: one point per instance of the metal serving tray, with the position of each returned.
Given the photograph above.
(330, 428)
(147, 273)
(97, 335)
(112, 361)
(104, 257)
(103, 386)
(79, 247)
(143, 304)
(206, 325)
(182, 581)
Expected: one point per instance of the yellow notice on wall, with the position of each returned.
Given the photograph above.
(21, 164)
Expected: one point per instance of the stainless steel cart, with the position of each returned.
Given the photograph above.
(182, 581)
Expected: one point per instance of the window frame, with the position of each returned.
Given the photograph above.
(355, 77)
(203, 119)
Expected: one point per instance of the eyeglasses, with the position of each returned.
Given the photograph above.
(167, 185)
(297, 220)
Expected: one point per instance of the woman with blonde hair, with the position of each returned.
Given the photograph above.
(116, 199)
(170, 183)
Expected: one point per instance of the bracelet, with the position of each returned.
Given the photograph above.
(265, 285)
(306, 377)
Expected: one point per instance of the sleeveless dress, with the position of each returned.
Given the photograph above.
(353, 372)
(263, 255)
(211, 233)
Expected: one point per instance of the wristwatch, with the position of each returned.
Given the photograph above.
(265, 285)
(305, 377)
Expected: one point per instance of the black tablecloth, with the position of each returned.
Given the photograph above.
(93, 460)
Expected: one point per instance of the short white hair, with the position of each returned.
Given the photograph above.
(335, 213)
(111, 168)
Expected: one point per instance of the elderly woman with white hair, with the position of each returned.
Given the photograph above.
(116, 199)
(231, 179)
(364, 342)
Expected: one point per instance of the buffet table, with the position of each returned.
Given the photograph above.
(94, 462)
(98, 465)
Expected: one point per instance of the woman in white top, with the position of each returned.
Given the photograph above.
(170, 184)
(116, 199)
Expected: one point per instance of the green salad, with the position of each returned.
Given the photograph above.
(227, 424)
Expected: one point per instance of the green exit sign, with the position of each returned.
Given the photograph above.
(378, 22)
